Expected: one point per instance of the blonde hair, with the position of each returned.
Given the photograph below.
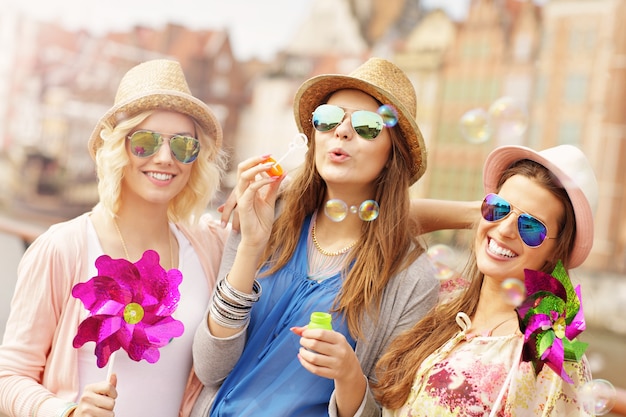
(398, 367)
(387, 245)
(190, 203)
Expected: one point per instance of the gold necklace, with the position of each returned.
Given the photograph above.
(324, 251)
(169, 238)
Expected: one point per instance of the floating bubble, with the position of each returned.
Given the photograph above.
(507, 118)
(389, 115)
(513, 291)
(443, 271)
(336, 209)
(597, 396)
(441, 253)
(474, 125)
(368, 210)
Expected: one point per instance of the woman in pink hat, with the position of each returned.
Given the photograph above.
(159, 163)
(485, 352)
(343, 242)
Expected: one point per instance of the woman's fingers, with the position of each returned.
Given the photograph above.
(98, 400)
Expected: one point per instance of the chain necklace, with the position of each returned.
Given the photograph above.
(324, 251)
(169, 238)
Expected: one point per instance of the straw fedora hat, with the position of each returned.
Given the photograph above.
(382, 80)
(157, 84)
(572, 169)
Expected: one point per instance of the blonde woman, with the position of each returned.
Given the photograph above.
(159, 163)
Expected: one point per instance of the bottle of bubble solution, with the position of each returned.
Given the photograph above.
(320, 320)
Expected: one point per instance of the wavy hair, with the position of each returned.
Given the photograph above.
(186, 207)
(387, 245)
(398, 367)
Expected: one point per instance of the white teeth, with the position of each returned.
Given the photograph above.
(160, 176)
(494, 248)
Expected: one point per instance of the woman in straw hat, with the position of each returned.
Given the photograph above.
(159, 163)
(343, 243)
(486, 353)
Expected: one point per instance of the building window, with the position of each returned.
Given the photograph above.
(456, 183)
(541, 85)
(576, 88)
(569, 133)
(582, 40)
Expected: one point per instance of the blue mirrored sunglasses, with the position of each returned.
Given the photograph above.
(532, 230)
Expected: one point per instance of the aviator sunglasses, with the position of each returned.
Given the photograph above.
(144, 143)
(532, 231)
(367, 124)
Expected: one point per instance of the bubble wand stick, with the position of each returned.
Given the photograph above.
(298, 141)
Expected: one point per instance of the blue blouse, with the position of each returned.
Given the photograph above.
(268, 379)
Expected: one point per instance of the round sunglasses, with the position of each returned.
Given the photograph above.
(367, 124)
(145, 143)
(532, 230)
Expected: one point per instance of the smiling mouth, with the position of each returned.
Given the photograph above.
(160, 176)
(496, 249)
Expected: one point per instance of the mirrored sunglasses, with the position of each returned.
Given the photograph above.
(367, 124)
(144, 143)
(532, 231)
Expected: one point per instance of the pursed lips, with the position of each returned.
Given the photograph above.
(338, 154)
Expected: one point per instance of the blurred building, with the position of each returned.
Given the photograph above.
(562, 69)
(57, 84)
(552, 74)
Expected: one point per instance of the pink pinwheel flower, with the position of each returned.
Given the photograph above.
(551, 318)
(130, 307)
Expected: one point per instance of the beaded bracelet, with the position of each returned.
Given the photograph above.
(231, 307)
(239, 296)
(225, 321)
(228, 308)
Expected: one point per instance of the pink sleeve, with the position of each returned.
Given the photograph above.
(36, 349)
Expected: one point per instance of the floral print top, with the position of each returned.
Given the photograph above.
(483, 376)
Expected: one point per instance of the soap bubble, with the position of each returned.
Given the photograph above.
(513, 291)
(507, 118)
(597, 397)
(336, 209)
(443, 271)
(389, 115)
(441, 253)
(368, 210)
(474, 125)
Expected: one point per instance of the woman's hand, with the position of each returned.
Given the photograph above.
(98, 400)
(228, 209)
(328, 354)
(255, 196)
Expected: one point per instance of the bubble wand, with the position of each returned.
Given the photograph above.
(298, 141)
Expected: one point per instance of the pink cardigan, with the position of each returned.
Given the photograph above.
(38, 370)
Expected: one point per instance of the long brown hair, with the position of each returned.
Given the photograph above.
(387, 245)
(397, 368)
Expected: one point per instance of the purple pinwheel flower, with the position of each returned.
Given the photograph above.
(551, 317)
(130, 307)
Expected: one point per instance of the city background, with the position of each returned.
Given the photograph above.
(489, 73)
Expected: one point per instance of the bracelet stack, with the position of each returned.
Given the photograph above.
(231, 307)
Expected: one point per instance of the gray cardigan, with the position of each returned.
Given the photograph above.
(409, 295)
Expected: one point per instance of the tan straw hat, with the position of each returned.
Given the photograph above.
(574, 172)
(157, 84)
(382, 80)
